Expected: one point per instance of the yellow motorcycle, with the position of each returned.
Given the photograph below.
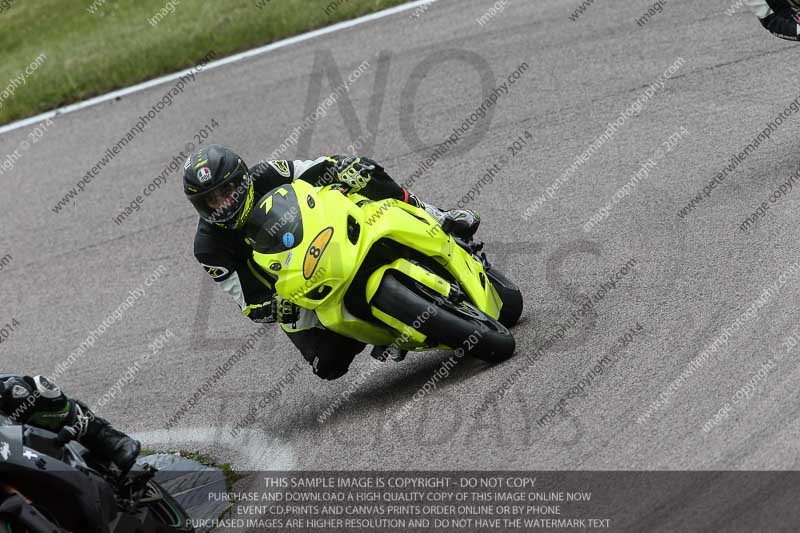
(383, 272)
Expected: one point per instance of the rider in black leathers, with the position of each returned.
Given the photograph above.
(223, 190)
(778, 16)
(36, 401)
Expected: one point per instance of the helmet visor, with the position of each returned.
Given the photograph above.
(223, 203)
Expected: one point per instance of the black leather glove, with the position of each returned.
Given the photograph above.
(355, 172)
(261, 313)
(275, 310)
(285, 311)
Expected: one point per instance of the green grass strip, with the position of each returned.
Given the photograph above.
(90, 47)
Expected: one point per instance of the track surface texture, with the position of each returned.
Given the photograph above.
(692, 276)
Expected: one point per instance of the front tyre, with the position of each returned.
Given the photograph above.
(459, 325)
(510, 295)
(166, 513)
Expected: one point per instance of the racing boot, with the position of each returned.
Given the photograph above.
(109, 443)
(461, 223)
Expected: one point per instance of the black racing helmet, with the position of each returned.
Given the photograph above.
(218, 183)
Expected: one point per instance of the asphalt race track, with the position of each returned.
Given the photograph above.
(688, 280)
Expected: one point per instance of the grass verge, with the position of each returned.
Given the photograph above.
(92, 47)
(231, 475)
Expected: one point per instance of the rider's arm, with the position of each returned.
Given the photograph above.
(234, 271)
(317, 172)
(38, 402)
(777, 16)
(378, 185)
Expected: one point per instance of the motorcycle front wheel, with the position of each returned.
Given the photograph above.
(167, 513)
(458, 325)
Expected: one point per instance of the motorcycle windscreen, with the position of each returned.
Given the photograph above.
(276, 223)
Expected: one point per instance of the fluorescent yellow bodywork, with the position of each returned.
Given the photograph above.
(326, 257)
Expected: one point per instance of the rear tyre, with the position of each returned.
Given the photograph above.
(459, 325)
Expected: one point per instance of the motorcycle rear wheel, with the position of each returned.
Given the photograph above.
(454, 324)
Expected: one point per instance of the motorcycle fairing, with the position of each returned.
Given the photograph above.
(338, 231)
